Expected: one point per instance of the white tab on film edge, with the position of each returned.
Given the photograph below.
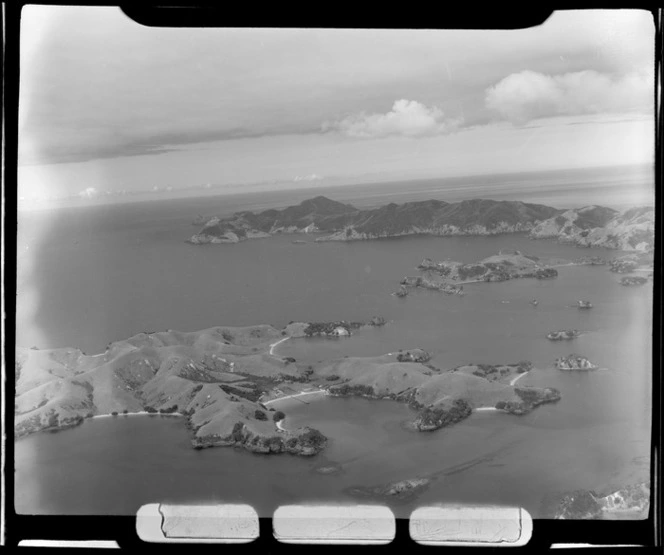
(86, 544)
(336, 524)
(464, 525)
(197, 523)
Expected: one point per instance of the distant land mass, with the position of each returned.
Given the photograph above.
(335, 221)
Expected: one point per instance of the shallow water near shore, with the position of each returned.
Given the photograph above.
(124, 279)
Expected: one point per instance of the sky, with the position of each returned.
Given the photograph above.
(110, 106)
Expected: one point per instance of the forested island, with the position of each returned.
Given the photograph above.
(330, 220)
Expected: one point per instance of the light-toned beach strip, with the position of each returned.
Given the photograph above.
(142, 413)
(273, 345)
(518, 378)
(320, 391)
(483, 409)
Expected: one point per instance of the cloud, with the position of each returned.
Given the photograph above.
(407, 118)
(528, 95)
(90, 192)
(312, 177)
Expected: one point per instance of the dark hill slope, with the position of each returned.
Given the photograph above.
(343, 222)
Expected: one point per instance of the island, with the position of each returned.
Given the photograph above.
(403, 490)
(629, 502)
(449, 276)
(330, 220)
(336, 221)
(591, 261)
(223, 381)
(575, 362)
(633, 280)
(401, 292)
(562, 335)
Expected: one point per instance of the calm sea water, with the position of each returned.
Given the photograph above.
(91, 276)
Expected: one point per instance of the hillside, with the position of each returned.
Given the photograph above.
(595, 226)
(441, 397)
(449, 276)
(221, 381)
(343, 222)
(213, 377)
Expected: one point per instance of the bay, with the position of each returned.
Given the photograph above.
(107, 273)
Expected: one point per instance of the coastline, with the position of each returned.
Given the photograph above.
(518, 378)
(323, 391)
(273, 345)
(142, 413)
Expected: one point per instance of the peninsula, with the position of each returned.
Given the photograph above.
(223, 382)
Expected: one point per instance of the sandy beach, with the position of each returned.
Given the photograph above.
(273, 345)
(142, 413)
(317, 391)
(518, 378)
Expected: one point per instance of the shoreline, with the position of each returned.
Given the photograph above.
(518, 378)
(142, 413)
(483, 409)
(323, 391)
(273, 345)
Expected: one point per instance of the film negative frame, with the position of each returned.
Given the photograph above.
(122, 530)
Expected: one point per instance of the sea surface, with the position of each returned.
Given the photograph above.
(89, 276)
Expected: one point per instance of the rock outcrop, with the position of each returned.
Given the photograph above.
(633, 280)
(402, 291)
(575, 362)
(563, 335)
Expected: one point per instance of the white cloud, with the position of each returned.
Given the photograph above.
(407, 118)
(528, 95)
(312, 177)
(90, 192)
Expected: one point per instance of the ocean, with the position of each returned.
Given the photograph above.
(90, 276)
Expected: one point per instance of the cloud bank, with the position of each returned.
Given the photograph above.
(521, 97)
(312, 177)
(90, 192)
(407, 118)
